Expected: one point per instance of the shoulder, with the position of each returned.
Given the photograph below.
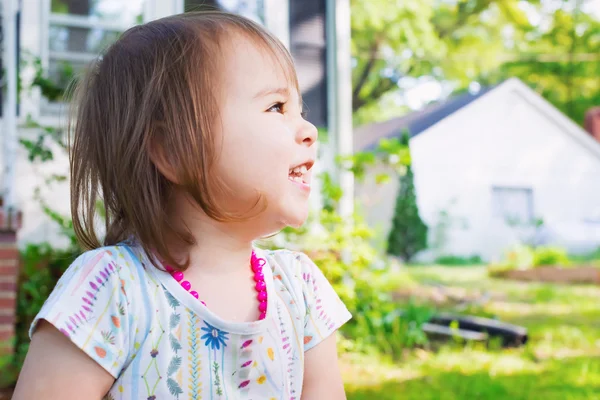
(95, 277)
(103, 265)
(292, 264)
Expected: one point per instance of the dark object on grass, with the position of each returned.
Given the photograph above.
(510, 335)
(435, 331)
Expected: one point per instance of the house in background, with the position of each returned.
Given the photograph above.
(488, 167)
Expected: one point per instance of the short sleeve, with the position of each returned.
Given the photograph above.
(325, 311)
(89, 305)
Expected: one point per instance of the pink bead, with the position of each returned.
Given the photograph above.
(263, 315)
(259, 276)
(194, 293)
(186, 285)
(178, 276)
(260, 286)
(262, 306)
(203, 303)
(256, 268)
(262, 296)
(169, 268)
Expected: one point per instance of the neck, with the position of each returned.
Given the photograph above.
(220, 247)
(217, 249)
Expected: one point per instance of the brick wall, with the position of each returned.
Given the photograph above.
(9, 268)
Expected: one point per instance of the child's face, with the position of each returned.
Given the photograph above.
(263, 136)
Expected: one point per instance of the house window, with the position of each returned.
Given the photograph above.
(78, 30)
(513, 204)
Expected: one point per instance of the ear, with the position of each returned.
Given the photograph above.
(160, 159)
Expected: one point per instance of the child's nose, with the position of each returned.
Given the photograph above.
(307, 133)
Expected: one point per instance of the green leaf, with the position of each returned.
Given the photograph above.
(382, 178)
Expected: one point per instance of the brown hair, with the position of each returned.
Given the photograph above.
(157, 84)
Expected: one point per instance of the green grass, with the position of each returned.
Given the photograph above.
(561, 360)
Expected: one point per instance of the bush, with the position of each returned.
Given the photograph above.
(543, 256)
(342, 248)
(449, 260)
(408, 235)
(526, 257)
(41, 267)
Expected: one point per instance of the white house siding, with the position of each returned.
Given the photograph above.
(509, 137)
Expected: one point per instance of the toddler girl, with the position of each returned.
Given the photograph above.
(190, 130)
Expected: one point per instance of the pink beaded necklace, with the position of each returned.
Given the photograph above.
(260, 286)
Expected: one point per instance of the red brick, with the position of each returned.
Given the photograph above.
(7, 304)
(8, 270)
(8, 287)
(12, 253)
(7, 332)
(7, 319)
(10, 262)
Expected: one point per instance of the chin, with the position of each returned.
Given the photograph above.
(295, 220)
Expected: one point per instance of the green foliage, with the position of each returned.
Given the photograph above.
(560, 360)
(591, 257)
(408, 235)
(41, 268)
(527, 257)
(53, 90)
(555, 256)
(448, 40)
(392, 153)
(450, 260)
(554, 48)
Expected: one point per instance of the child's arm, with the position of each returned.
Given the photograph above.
(322, 378)
(56, 369)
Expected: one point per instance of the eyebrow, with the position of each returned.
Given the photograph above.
(269, 91)
(283, 91)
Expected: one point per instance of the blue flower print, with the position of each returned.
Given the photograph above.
(214, 337)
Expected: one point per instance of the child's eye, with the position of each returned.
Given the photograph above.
(277, 107)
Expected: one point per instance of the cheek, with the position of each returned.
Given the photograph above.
(256, 160)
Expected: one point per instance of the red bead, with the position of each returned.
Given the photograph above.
(260, 286)
(259, 276)
(262, 306)
(186, 285)
(194, 293)
(263, 315)
(178, 276)
(262, 296)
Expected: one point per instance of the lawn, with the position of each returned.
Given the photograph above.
(560, 361)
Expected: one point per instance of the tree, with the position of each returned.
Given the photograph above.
(551, 45)
(448, 40)
(560, 59)
(408, 235)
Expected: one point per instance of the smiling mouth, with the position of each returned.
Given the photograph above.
(298, 174)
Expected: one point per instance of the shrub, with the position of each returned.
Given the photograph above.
(41, 267)
(550, 256)
(450, 260)
(408, 235)
(360, 274)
